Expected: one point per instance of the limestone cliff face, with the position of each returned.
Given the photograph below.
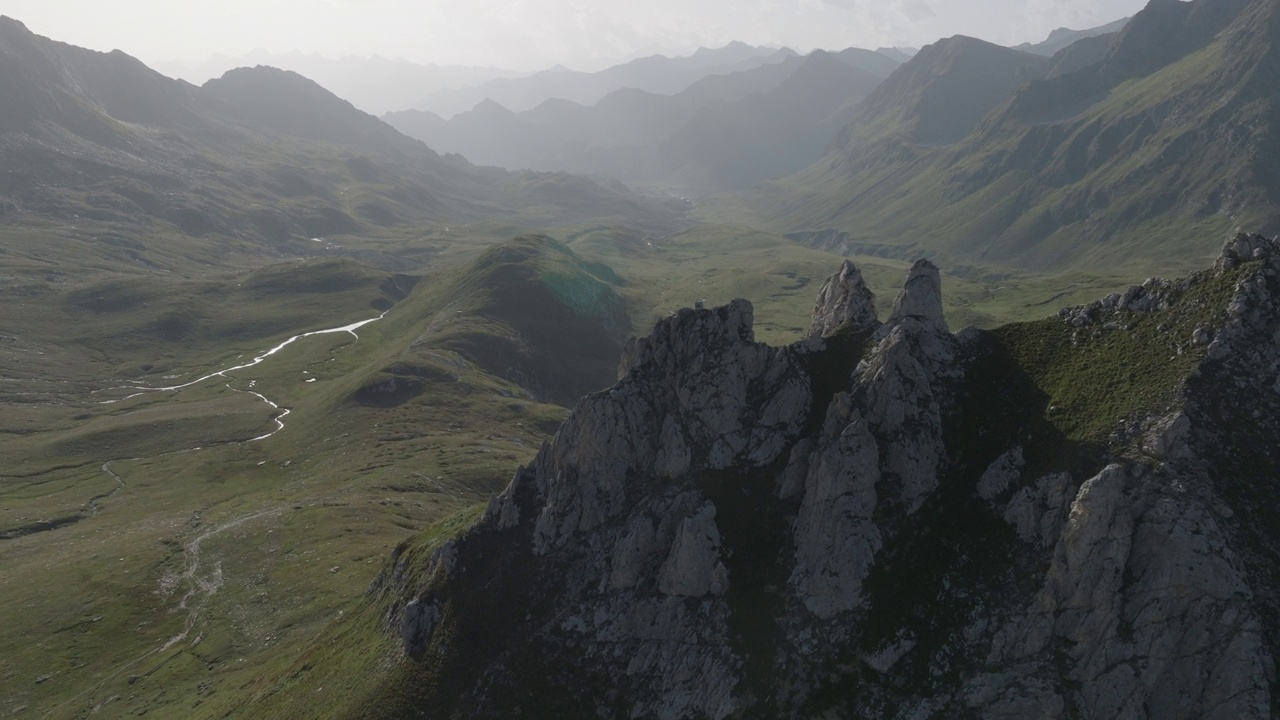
(889, 520)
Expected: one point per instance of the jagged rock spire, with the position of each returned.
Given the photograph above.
(844, 302)
(921, 295)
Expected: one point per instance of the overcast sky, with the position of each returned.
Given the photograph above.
(532, 34)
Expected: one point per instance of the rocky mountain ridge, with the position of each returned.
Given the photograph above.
(723, 132)
(655, 74)
(1055, 519)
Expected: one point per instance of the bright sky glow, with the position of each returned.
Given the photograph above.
(534, 34)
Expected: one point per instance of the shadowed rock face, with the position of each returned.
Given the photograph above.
(881, 522)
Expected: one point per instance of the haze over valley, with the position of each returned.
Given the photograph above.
(545, 359)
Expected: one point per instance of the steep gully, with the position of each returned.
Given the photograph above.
(199, 587)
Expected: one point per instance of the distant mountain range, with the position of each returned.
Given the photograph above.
(162, 173)
(980, 154)
(654, 74)
(730, 131)
(374, 84)
(1062, 37)
(1150, 142)
(724, 132)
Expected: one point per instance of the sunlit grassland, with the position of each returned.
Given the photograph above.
(91, 603)
(717, 263)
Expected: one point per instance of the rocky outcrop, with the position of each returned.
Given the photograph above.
(886, 521)
(845, 302)
(1145, 607)
(835, 537)
(921, 297)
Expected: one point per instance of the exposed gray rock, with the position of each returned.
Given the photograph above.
(691, 384)
(921, 296)
(1153, 295)
(693, 569)
(1039, 512)
(835, 537)
(844, 302)
(900, 386)
(633, 556)
(883, 660)
(1168, 439)
(1151, 602)
(1244, 247)
(418, 625)
(1001, 474)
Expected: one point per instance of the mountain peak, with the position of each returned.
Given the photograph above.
(958, 44)
(8, 24)
(844, 303)
(943, 92)
(14, 31)
(921, 295)
(1062, 37)
(264, 75)
(1166, 30)
(732, 45)
(290, 103)
(489, 106)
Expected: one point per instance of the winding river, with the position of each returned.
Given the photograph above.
(257, 360)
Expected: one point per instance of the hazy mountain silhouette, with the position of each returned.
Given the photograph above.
(1063, 37)
(940, 94)
(732, 146)
(262, 155)
(723, 132)
(898, 54)
(374, 84)
(656, 74)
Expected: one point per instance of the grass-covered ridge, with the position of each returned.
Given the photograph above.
(1126, 364)
(534, 313)
(1136, 163)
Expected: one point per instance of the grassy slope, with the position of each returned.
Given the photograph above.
(1144, 181)
(717, 263)
(97, 599)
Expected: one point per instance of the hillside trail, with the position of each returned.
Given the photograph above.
(200, 585)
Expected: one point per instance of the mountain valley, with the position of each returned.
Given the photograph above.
(522, 403)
